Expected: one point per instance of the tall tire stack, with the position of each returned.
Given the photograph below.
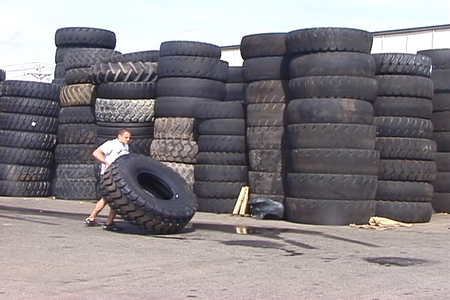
(402, 116)
(28, 125)
(333, 162)
(440, 60)
(76, 174)
(127, 102)
(2, 75)
(266, 72)
(189, 73)
(78, 38)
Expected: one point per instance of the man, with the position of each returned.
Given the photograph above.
(107, 153)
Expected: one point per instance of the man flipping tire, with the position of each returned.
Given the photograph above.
(107, 153)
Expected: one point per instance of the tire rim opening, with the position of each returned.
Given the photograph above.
(155, 186)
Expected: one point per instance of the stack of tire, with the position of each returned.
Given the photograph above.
(76, 173)
(126, 100)
(190, 73)
(332, 178)
(440, 60)
(266, 72)
(2, 75)
(78, 38)
(402, 116)
(28, 125)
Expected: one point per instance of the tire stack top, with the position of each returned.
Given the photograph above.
(440, 60)
(78, 49)
(333, 169)
(266, 72)
(28, 125)
(402, 116)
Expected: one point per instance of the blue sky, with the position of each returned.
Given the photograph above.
(28, 26)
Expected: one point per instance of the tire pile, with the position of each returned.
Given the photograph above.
(440, 60)
(76, 173)
(28, 125)
(266, 72)
(333, 170)
(402, 116)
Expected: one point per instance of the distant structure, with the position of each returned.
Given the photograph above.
(33, 71)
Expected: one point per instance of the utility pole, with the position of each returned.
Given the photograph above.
(38, 74)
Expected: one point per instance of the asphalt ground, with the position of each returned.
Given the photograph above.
(48, 253)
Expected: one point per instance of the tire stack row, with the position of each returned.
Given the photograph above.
(440, 60)
(2, 75)
(333, 168)
(28, 125)
(189, 73)
(266, 72)
(402, 116)
(76, 173)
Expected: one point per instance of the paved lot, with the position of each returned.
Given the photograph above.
(47, 253)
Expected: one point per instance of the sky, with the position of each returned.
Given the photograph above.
(27, 27)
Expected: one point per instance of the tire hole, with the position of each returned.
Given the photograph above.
(154, 186)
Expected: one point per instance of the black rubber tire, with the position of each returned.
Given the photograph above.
(124, 110)
(266, 183)
(441, 101)
(324, 135)
(218, 189)
(78, 95)
(235, 91)
(221, 143)
(85, 36)
(30, 89)
(189, 48)
(405, 86)
(29, 157)
(212, 109)
(266, 114)
(266, 160)
(29, 106)
(186, 171)
(403, 107)
(145, 56)
(266, 68)
(403, 127)
(75, 154)
(235, 74)
(28, 140)
(24, 173)
(440, 58)
(407, 170)
(329, 110)
(78, 76)
(407, 191)
(62, 51)
(267, 137)
(141, 130)
(75, 189)
(328, 39)
(221, 173)
(363, 88)
(174, 150)
(2, 75)
(441, 202)
(407, 212)
(406, 148)
(14, 188)
(443, 161)
(440, 80)
(441, 183)
(82, 133)
(127, 90)
(191, 87)
(442, 140)
(60, 71)
(76, 114)
(216, 205)
(176, 128)
(276, 198)
(31, 123)
(222, 158)
(156, 199)
(123, 72)
(86, 58)
(59, 81)
(193, 66)
(334, 161)
(402, 64)
(268, 91)
(222, 127)
(176, 107)
(263, 44)
(328, 212)
(332, 64)
(331, 186)
(441, 121)
(80, 172)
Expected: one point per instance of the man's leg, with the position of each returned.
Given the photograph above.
(97, 209)
(111, 217)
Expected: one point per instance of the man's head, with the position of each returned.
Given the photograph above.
(124, 136)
